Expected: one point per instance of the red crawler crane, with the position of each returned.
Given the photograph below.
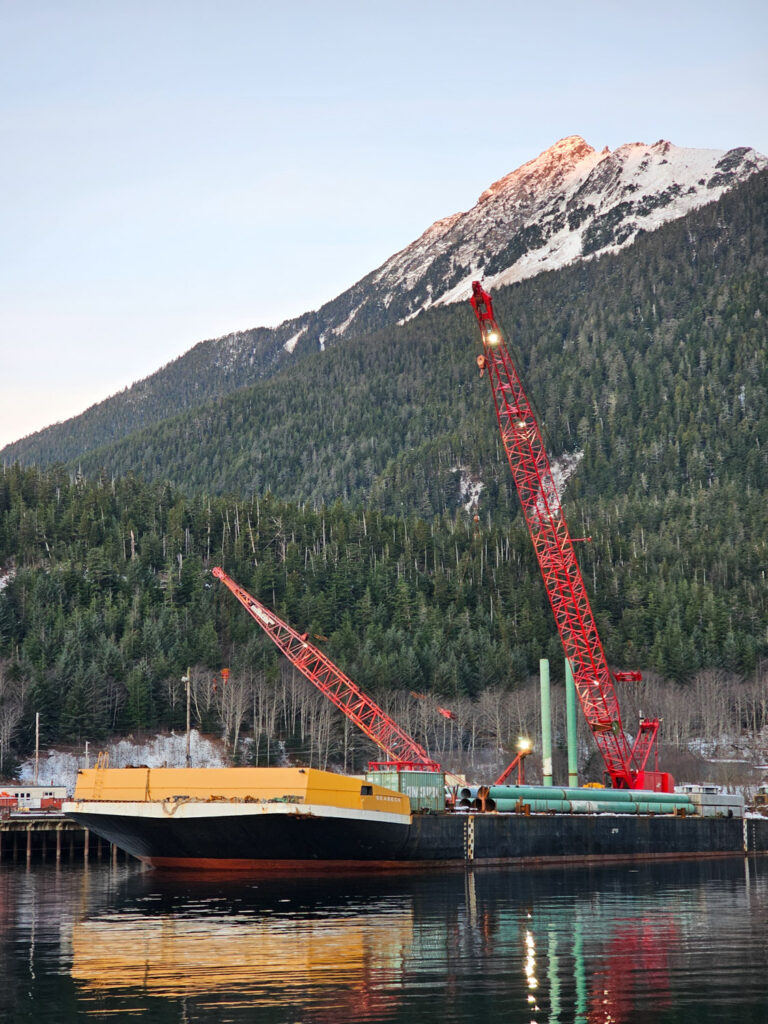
(564, 584)
(405, 753)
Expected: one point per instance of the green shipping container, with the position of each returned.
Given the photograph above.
(425, 790)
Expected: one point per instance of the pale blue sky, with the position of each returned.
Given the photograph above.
(171, 171)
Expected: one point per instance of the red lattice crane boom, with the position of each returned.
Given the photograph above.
(555, 553)
(403, 751)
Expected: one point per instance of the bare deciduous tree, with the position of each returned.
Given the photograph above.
(233, 701)
(479, 737)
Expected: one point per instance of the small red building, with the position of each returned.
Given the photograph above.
(28, 797)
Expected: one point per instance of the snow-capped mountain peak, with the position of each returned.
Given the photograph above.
(550, 169)
(571, 202)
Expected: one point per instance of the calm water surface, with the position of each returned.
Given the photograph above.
(682, 943)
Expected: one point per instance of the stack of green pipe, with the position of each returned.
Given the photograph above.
(596, 807)
(571, 800)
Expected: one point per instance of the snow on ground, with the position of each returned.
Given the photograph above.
(279, 759)
(290, 345)
(470, 487)
(563, 469)
(729, 747)
(60, 768)
(345, 324)
(745, 751)
(5, 578)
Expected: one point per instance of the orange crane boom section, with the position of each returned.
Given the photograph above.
(403, 751)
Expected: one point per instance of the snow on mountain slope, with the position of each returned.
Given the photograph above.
(570, 203)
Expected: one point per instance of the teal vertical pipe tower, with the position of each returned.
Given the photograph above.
(546, 724)
(570, 724)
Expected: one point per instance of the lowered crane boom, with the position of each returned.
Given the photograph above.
(532, 473)
(377, 725)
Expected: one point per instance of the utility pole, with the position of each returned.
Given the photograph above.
(86, 753)
(188, 680)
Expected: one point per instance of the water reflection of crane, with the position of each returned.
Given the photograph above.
(576, 960)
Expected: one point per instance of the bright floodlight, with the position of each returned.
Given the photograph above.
(523, 743)
(492, 338)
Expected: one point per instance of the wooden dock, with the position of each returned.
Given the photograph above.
(52, 838)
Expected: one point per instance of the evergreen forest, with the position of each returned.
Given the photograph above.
(336, 492)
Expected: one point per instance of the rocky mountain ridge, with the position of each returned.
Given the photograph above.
(568, 204)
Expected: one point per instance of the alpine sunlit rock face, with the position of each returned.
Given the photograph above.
(570, 203)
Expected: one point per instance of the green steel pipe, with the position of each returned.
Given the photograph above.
(563, 806)
(650, 808)
(546, 724)
(625, 794)
(580, 794)
(570, 726)
(526, 792)
(594, 807)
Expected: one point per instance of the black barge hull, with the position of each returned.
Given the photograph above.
(285, 841)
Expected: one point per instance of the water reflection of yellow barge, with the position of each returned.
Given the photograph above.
(286, 818)
(172, 957)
